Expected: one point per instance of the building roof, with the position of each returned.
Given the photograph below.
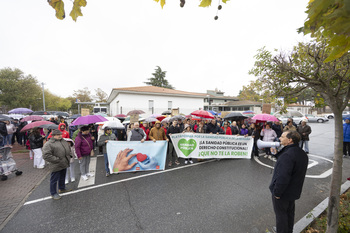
(154, 89)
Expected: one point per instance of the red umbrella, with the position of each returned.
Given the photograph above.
(160, 118)
(36, 124)
(264, 117)
(202, 114)
(120, 115)
(32, 118)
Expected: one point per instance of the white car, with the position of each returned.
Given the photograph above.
(319, 119)
(329, 115)
(297, 117)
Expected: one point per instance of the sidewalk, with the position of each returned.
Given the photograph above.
(15, 189)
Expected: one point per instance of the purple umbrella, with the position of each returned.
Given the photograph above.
(89, 119)
(20, 110)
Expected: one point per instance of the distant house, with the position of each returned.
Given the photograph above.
(153, 99)
(216, 100)
(304, 109)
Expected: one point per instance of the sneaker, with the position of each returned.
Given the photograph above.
(64, 190)
(66, 181)
(186, 162)
(107, 174)
(170, 164)
(191, 162)
(40, 167)
(265, 156)
(270, 157)
(3, 177)
(72, 179)
(274, 159)
(18, 173)
(56, 196)
(84, 177)
(177, 162)
(90, 174)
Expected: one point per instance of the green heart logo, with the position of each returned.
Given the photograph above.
(187, 146)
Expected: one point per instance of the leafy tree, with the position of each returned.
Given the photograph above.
(289, 73)
(255, 92)
(58, 5)
(18, 90)
(100, 95)
(158, 79)
(83, 95)
(332, 19)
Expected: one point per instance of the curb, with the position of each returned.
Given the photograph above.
(317, 211)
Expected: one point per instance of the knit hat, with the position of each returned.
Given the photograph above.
(56, 132)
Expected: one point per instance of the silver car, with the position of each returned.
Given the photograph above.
(319, 119)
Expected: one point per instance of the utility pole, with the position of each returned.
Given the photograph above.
(43, 96)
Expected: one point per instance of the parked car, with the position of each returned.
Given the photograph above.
(297, 117)
(319, 119)
(329, 115)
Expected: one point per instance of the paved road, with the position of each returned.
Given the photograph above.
(211, 196)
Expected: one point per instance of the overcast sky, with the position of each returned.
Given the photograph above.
(120, 43)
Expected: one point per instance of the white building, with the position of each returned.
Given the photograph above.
(151, 99)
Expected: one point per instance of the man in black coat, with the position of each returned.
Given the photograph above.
(288, 179)
(174, 128)
(213, 128)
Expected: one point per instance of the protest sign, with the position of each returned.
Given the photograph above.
(206, 146)
(129, 156)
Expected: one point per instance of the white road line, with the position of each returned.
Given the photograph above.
(92, 169)
(321, 176)
(118, 181)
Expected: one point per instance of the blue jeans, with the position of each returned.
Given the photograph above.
(106, 163)
(304, 144)
(8, 139)
(57, 177)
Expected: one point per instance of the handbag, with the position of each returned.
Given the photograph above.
(92, 153)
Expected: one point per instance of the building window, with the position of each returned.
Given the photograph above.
(170, 105)
(150, 104)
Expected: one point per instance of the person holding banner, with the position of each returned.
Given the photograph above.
(213, 128)
(107, 136)
(137, 134)
(227, 128)
(157, 133)
(174, 128)
(188, 129)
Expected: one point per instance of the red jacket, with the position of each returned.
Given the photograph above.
(65, 134)
(228, 130)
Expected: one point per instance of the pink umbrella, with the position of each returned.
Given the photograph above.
(36, 124)
(264, 117)
(120, 115)
(32, 118)
(202, 114)
(89, 119)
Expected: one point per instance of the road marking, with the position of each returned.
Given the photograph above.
(92, 169)
(118, 181)
(314, 163)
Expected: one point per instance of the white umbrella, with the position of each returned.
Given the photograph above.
(113, 125)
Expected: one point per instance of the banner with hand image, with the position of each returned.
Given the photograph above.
(130, 156)
(209, 146)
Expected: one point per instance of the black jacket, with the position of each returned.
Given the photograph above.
(3, 129)
(172, 130)
(36, 141)
(289, 173)
(214, 129)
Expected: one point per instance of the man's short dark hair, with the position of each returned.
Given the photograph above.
(294, 135)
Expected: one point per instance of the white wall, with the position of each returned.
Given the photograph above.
(128, 102)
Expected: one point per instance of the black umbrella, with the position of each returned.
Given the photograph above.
(5, 118)
(234, 116)
(167, 112)
(75, 116)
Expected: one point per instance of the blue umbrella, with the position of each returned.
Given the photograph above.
(213, 112)
(20, 111)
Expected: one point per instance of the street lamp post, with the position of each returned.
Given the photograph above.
(208, 102)
(262, 104)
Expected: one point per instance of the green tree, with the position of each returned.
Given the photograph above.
(289, 73)
(331, 18)
(19, 90)
(255, 92)
(158, 79)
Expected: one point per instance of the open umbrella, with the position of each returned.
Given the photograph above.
(213, 112)
(4, 118)
(160, 118)
(75, 116)
(166, 119)
(120, 115)
(101, 114)
(16, 116)
(32, 118)
(248, 112)
(135, 112)
(204, 115)
(264, 117)
(35, 124)
(20, 110)
(178, 117)
(151, 119)
(41, 113)
(234, 116)
(49, 126)
(89, 119)
(113, 125)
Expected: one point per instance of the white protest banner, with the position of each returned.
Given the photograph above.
(207, 146)
(130, 156)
